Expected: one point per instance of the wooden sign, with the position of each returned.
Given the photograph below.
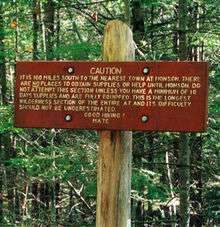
(148, 96)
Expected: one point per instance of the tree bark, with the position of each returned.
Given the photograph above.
(1, 181)
(196, 218)
(10, 153)
(182, 30)
(115, 148)
(184, 180)
(3, 101)
(184, 153)
(172, 208)
(36, 11)
(127, 12)
(3, 81)
(196, 172)
(137, 20)
(49, 28)
(58, 29)
(139, 140)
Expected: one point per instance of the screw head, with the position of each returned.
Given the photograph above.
(144, 119)
(70, 70)
(146, 70)
(68, 118)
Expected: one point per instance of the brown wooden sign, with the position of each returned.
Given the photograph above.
(148, 96)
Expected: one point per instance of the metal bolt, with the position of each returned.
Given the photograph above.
(146, 70)
(68, 118)
(144, 119)
(70, 70)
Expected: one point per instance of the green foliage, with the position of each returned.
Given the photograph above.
(6, 123)
(60, 163)
(157, 3)
(212, 195)
(147, 184)
(78, 51)
(76, 164)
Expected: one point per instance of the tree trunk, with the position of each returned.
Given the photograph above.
(175, 35)
(48, 196)
(3, 81)
(139, 140)
(184, 180)
(152, 14)
(127, 12)
(184, 156)
(172, 208)
(35, 28)
(34, 206)
(137, 20)
(196, 218)
(36, 11)
(3, 100)
(58, 29)
(115, 148)
(44, 199)
(196, 172)
(182, 30)
(1, 180)
(150, 159)
(49, 28)
(10, 176)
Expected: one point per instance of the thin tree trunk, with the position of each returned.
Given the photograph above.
(173, 207)
(36, 11)
(43, 30)
(150, 159)
(57, 184)
(137, 20)
(184, 180)
(182, 30)
(3, 101)
(35, 207)
(184, 155)
(196, 144)
(138, 152)
(49, 34)
(58, 30)
(127, 12)
(10, 176)
(24, 204)
(196, 172)
(151, 32)
(1, 180)
(49, 28)
(3, 80)
(44, 197)
(175, 36)
(70, 207)
(10, 145)
(15, 5)
(57, 199)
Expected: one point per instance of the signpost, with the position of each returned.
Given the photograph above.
(113, 95)
(148, 96)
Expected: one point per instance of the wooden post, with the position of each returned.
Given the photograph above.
(115, 149)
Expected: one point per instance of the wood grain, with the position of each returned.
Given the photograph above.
(115, 148)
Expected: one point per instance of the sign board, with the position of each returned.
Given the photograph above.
(148, 96)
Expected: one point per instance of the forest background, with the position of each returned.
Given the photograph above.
(48, 177)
